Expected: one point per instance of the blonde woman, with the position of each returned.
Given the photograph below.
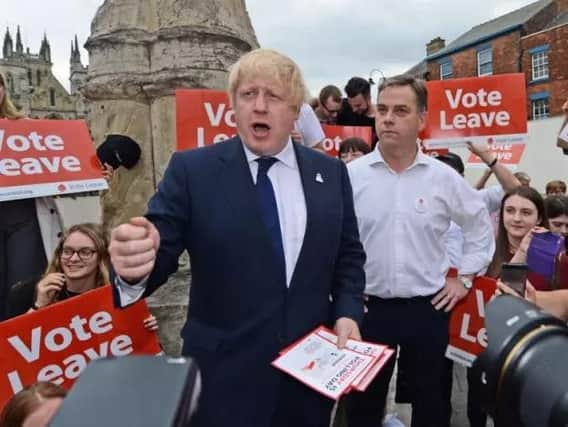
(29, 228)
(79, 264)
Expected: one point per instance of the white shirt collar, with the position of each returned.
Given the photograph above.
(287, 156)
(375, 157)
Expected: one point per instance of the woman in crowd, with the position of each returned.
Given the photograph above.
(557, 211)
(34, 406)
(29, 228)
(352, 148)
(79, 264)
(522, 215)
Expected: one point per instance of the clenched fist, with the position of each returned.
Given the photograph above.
(133, 247)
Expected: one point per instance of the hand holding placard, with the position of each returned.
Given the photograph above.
(133, 247)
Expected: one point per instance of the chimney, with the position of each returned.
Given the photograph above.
(435, 45)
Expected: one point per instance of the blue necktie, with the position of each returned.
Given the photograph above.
(269, 209)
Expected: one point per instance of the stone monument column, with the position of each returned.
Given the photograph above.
(140, 52)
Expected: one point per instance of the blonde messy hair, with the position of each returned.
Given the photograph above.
(273, 65)
(7, 109)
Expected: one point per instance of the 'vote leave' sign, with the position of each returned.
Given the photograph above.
(47, 157)
(468, 336)
(476, 109)
(205, 117)
(507, 154)
(57, 342)
(335, 134)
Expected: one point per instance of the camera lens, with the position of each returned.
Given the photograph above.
(523, 374)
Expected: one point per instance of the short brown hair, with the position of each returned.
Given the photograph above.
(418, 86)
(329, 90)
(26, 401)
(556, 186)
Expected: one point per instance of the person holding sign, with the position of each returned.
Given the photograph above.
(29, 227)
(275, 252)
(405, 202)
(23, 242)
(79, 264)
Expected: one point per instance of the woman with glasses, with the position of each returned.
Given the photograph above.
(79, 264)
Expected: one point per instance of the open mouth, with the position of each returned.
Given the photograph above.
(260, 128)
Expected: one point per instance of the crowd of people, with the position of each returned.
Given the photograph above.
(283, 238)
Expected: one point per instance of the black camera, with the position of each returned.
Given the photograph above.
(523, 373)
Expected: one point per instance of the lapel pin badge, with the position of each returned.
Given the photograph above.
(319, 178)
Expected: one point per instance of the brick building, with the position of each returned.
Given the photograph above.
(532, 40)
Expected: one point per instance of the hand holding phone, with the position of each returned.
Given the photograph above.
(515, 277)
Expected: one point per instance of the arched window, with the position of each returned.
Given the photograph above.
(38, 75)
(30, 78)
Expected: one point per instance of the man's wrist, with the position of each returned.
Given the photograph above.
(466, 281)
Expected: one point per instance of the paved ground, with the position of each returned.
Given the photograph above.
(459, 396)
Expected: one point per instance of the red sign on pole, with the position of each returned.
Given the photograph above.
(476, 109)
(204, 117)
(468, 337)
(47, 157)
(57, 342)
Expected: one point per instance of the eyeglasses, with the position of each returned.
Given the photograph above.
(84, 254)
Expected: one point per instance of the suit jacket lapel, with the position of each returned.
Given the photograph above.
(235, 180)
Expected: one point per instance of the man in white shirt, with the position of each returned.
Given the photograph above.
(404, 202)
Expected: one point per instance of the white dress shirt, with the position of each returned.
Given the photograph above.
(403, 219)
(309, 126)
(292, 214)
(492, 197)
(290, 200)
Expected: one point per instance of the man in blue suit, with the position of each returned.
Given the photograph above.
(272, 236)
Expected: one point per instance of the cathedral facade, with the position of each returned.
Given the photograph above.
(31, 83)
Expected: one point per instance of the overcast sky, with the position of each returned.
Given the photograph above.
(332, 40)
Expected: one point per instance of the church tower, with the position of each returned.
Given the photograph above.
(8, 46)
(77, 72)
(45, 50)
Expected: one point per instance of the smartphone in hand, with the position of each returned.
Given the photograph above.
(515, 277)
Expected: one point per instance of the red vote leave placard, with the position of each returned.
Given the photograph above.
(57, 342)
(335, 134)
(468, 337)
(476, 109)
(47, 157)
(204, 117)
(507, 154)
